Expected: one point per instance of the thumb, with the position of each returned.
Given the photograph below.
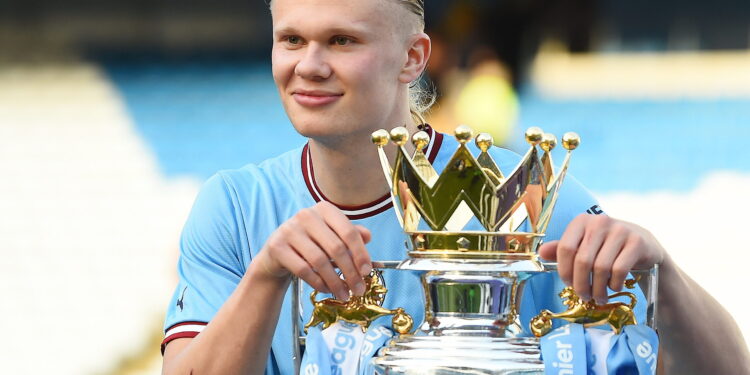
(548, 251)
(366, 234)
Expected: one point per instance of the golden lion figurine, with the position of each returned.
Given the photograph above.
(360, 310)
(588, 313)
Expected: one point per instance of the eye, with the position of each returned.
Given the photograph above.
(341, 40)
(293, 39)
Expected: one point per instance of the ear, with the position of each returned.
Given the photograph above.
(417, 55)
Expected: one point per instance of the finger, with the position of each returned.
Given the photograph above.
(583, 265)
(366, 237)
(320, 262)
(327, 240)
(603, 265)
(366, 234)
(623, 264)
(300, 268)
(548, 251)
(567, 248)
(349, 234)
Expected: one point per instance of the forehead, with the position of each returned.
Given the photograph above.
(359, 15)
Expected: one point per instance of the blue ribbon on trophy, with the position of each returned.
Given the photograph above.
(583, 347)
(342, 349)
(575, 350)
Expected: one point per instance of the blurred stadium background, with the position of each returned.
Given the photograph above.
(113, 112)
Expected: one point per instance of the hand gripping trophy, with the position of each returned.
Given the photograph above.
(474, 235)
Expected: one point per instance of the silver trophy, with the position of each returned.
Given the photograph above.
(474, 239)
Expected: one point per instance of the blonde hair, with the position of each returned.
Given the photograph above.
(416, 7)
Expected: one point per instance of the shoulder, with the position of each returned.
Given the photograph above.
(279, 169)
(232, 196)
(271, 187)
(236, 209)
(261, 187)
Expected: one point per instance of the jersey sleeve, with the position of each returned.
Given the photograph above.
(209, 267)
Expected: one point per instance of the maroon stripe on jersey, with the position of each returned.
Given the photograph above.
(377, 206)
(436, 140)
(179, 335)
(176, 336)
(342, 207)
(374, 212)
(188, 323)
(305, 172)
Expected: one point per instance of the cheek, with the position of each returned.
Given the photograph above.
(282, 67)
(371, 73)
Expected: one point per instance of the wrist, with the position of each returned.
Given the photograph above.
(262, 272)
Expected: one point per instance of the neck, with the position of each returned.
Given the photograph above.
(348, 171)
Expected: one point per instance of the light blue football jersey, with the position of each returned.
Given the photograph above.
(237, 210)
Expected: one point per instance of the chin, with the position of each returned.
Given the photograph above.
(316, 126)
(324, 126)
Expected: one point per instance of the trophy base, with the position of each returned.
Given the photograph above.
(449, 355)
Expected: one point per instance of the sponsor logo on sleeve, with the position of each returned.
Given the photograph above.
(179, 300)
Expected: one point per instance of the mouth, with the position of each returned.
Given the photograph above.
(315, 98)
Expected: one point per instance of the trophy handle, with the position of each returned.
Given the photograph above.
(649, 286)
(298, 340)
(652, 293)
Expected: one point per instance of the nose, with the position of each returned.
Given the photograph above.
(313, 65)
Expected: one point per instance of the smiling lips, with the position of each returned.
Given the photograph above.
(315, 98)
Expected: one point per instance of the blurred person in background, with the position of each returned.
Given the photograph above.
(341, 75)
(475, 83)
(480, 49)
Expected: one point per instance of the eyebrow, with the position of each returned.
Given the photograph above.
(285, 30)
(332, 30)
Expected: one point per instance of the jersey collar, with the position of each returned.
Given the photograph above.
(377, 206)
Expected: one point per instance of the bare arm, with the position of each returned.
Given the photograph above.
(697, 336)
(238, 338)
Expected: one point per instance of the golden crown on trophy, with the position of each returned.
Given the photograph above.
(471, 209)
